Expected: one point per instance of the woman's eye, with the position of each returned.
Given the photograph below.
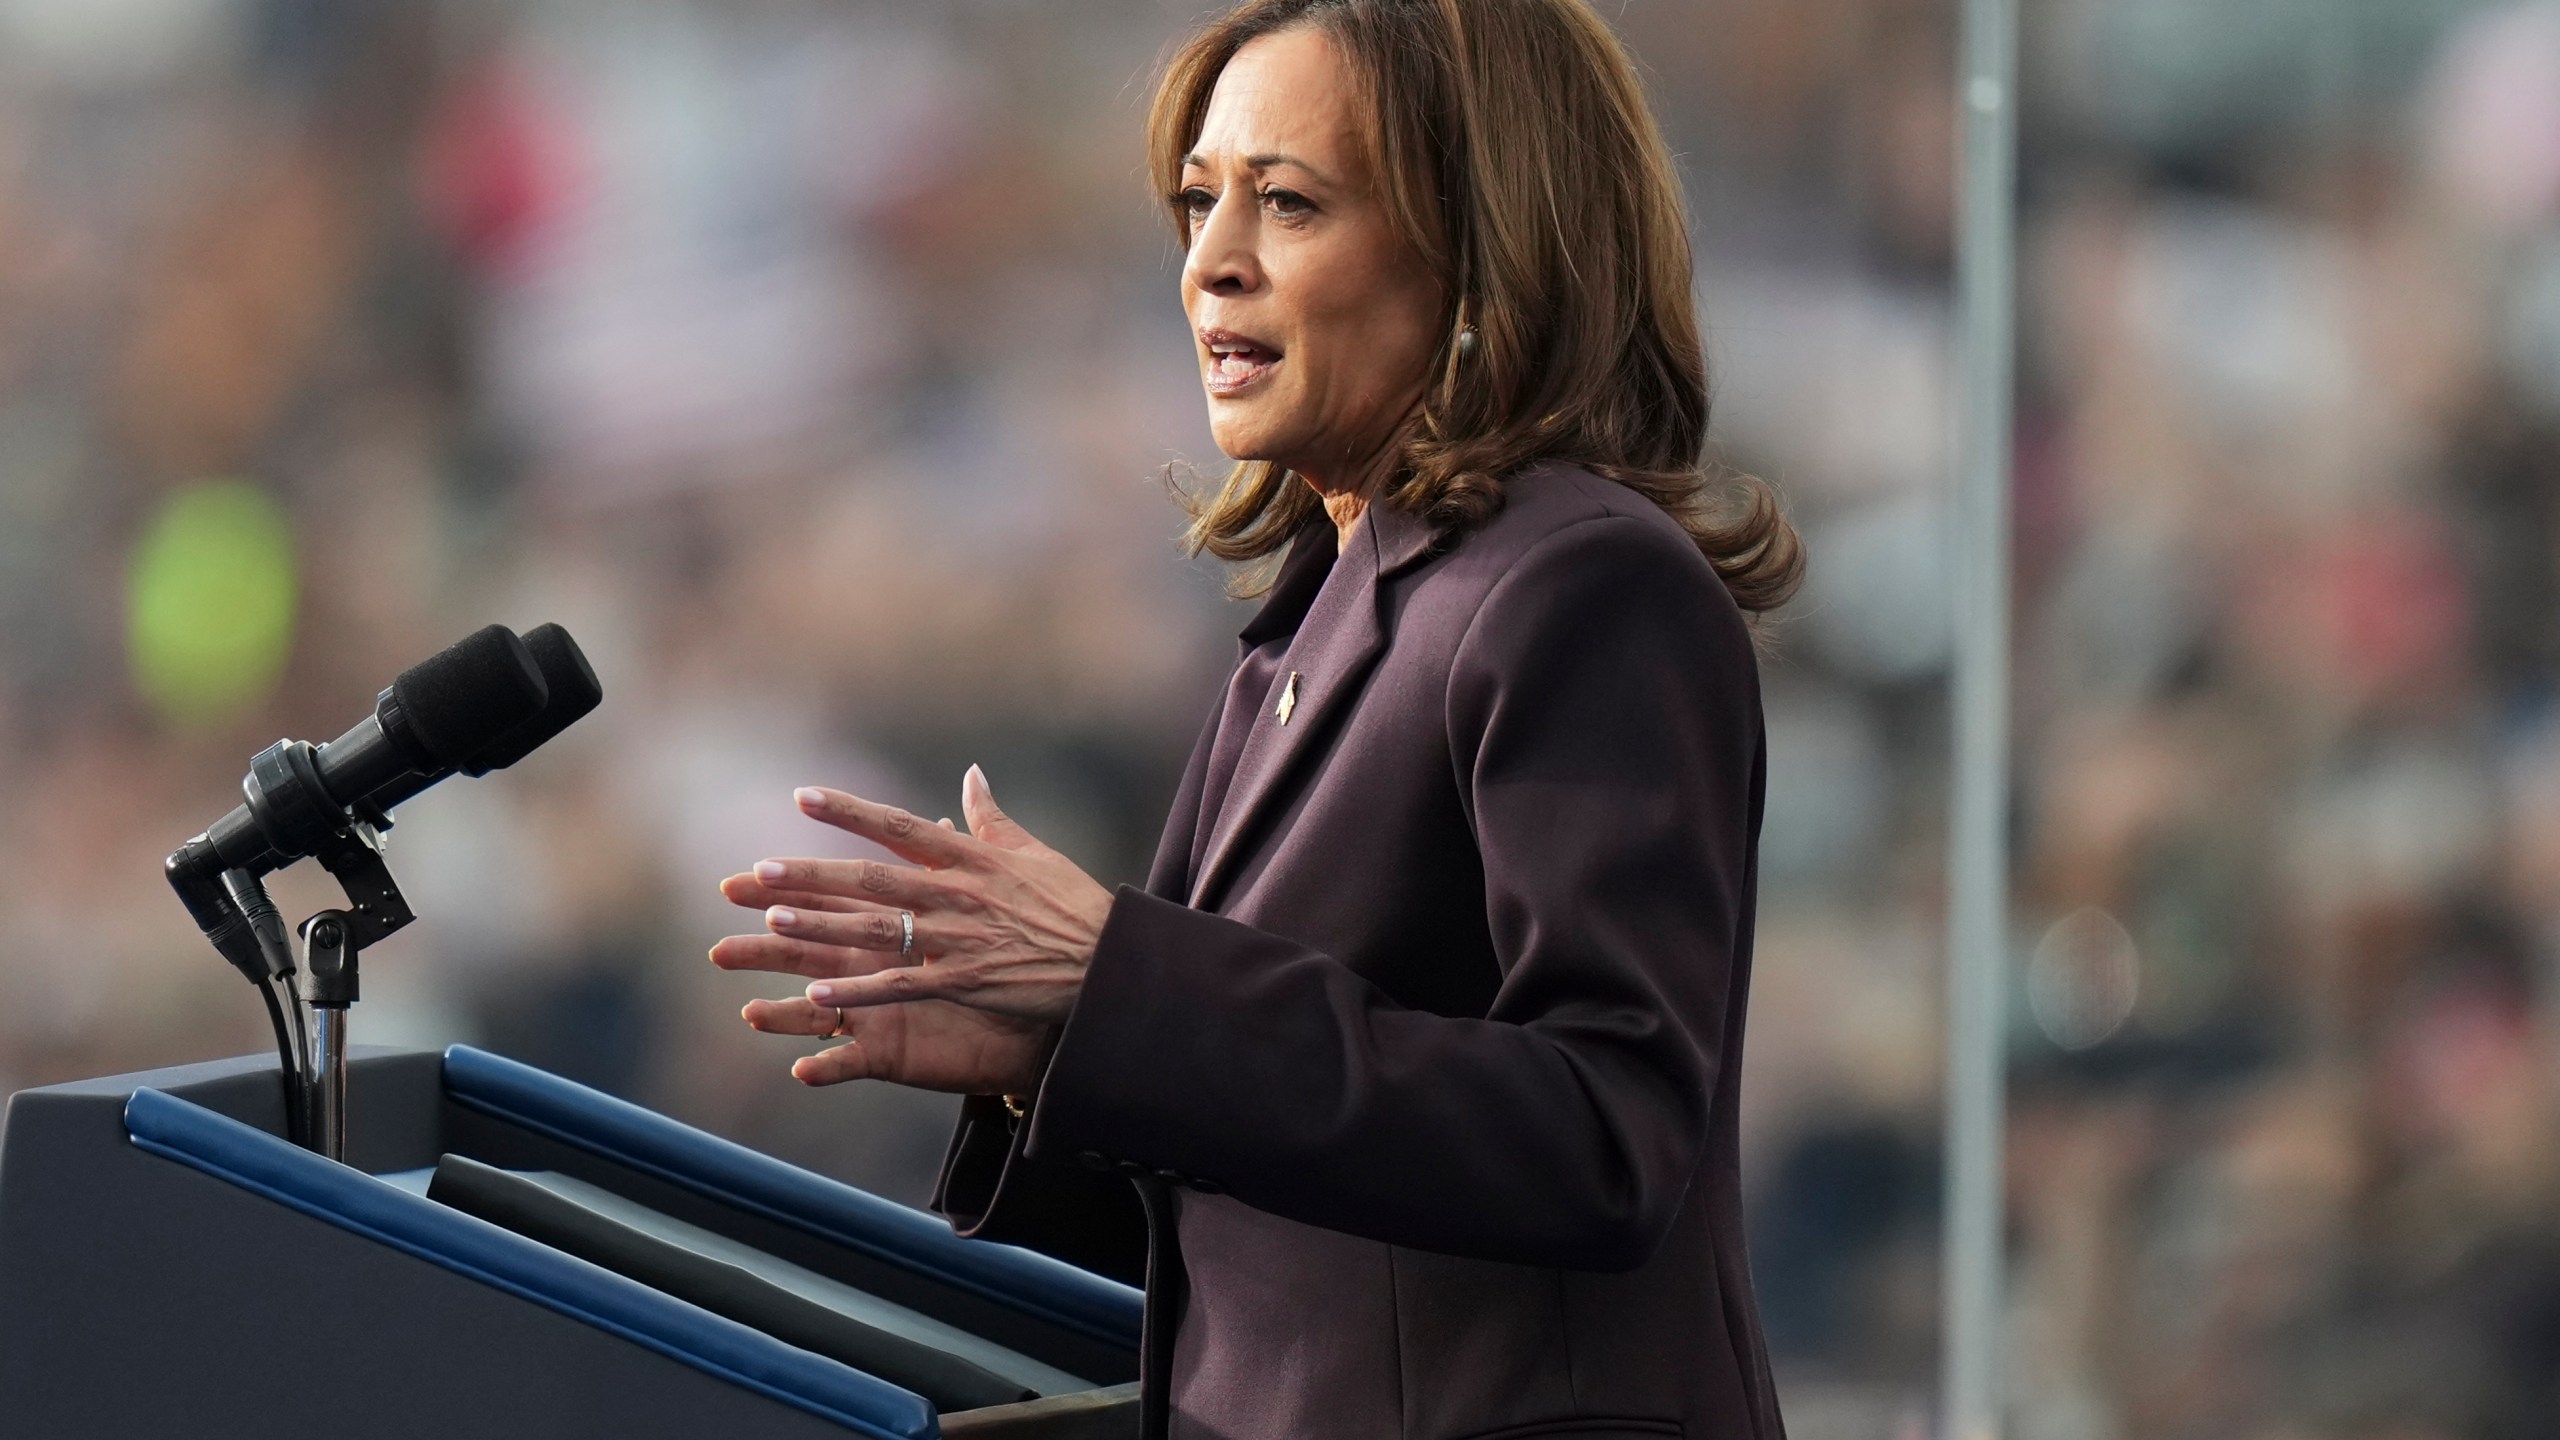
(1194, 202)
(1287, 203)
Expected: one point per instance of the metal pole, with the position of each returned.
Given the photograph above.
(329, 951)
(1977, 921)
(328, 1108)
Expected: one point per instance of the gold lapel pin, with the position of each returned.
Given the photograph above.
(1288, 698)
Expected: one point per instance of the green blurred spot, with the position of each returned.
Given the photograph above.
(209, 601)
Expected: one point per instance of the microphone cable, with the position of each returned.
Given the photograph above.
(249, 894)
(285, 1052)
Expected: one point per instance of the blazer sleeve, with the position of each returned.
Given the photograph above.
(1603, 715)
(990, 1190)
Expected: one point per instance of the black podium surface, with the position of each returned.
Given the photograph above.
(170, 1266)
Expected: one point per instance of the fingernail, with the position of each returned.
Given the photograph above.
(770, 871)
(782, 917)
(978, 778)
(822, 993)
(810, 797)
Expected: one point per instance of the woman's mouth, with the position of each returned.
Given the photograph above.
(1236, 363)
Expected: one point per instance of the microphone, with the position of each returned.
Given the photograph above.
(572, 690)
(437, 716)
(470, 698)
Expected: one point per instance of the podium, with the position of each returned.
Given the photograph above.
(170, 1265)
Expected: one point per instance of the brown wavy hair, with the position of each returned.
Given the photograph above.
(1516, 154)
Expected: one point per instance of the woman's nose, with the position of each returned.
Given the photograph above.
(1221, 260)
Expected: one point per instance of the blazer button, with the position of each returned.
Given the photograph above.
(1132, 1167)
(1207, 1187)
(1173, 1177)
(1093, 1160)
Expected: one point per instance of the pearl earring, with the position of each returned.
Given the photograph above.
(1467, 341)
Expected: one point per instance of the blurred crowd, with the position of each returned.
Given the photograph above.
(819, 366)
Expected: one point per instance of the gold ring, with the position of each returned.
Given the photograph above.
(841, 1017)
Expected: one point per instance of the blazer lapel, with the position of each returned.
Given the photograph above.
(1336, 646)
(1302, 575)
(1173, 849)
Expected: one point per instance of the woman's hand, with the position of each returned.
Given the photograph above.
(930, 1044)
(1003, 929)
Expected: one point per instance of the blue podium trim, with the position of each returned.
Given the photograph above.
(647, 1141)
(351, 1200)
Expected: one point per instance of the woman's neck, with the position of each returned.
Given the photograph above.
(1344, 508)
(1345, 503)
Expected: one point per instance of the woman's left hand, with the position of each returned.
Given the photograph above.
(1003, 923)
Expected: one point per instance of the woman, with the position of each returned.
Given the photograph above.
(1408, 1082)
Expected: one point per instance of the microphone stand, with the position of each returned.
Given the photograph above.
(307, 996)
(328, 988)
(332, 942)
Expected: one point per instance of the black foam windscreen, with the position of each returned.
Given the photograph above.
(573, 692)
(460, 700)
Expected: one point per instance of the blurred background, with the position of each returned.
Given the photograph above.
(819, 365)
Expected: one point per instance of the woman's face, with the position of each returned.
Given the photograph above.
(1314, 321)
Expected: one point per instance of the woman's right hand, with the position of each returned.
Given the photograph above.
(929, 1044)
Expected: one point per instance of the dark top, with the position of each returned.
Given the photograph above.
(1414, 1095)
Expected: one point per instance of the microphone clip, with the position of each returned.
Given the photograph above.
(352, 854)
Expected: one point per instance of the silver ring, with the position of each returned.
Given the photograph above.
(906, 933)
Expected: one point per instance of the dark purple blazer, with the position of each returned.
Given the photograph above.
(1415, 1105)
